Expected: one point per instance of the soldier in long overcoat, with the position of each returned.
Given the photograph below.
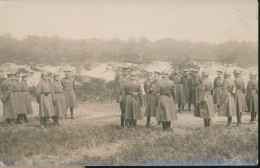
(18, 98)
(132, 93)
(205, 100)
(195, 83)
(44, 98)
(60, 103)
(218, 84)
(69, 87)
(227, 106)
(240, 100)
(26, 98)
(180, 96)
(120, 81)
(7, 88)
(151, 92)
(186, 80)
(166, 106)
(252, 96)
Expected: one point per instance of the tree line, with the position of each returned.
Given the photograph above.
(56, 50)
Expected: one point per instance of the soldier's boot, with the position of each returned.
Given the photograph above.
(127, 123)
(169, 125)
(57, 121)
(45, 122)
(164, 125)
(71, 113)
(205, 122)
(253, 118)
(248, 105)
(41, 120)
(179, 107)
(47, 118)
(159, 123)
(148, 121)
(25, 118)
(134, 123)
(189, 105)
(13, 120)
(229, 121)
(239, 117)
(54, 120)
(19, 119)
(209, 122)
(130, 123)
(122, 121)
(182, 107)
(8, 120)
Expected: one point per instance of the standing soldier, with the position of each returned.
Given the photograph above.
(120, 99)
(252, 96)
(166, 106)
(205, 100)
(218, 84)
(60, 104)
(195, 83)
(227, 106)
(186, 80)
(43, 96)
(149, 99)
(240, 100)
(151, 92)
(26, 98)
(68, 84)
(180, 97)
(49, 79)
(7, 88)
(18, 98)
(132, 93)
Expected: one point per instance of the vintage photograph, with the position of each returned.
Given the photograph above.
(128, 82)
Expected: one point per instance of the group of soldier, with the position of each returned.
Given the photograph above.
(163, 91)
(54, 96)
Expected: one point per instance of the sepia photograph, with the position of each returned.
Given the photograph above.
(129, 82)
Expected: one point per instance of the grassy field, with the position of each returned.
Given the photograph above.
(95, 138)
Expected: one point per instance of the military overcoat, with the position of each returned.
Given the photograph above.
(227, 99)
(206, 106)
(132, 92)
(151, 96)
(7, 88)
(26, 99)
(240, 100)
(60, 105)
(69, 92)
(166, 106)
(18, 98)
(195, 83)
(180, 96)
(218, 84)
(44, 98)
(252, 95)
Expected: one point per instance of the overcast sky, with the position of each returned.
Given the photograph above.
(196, 20)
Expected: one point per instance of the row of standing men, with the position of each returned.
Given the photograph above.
(53, 95)
(230, 96)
